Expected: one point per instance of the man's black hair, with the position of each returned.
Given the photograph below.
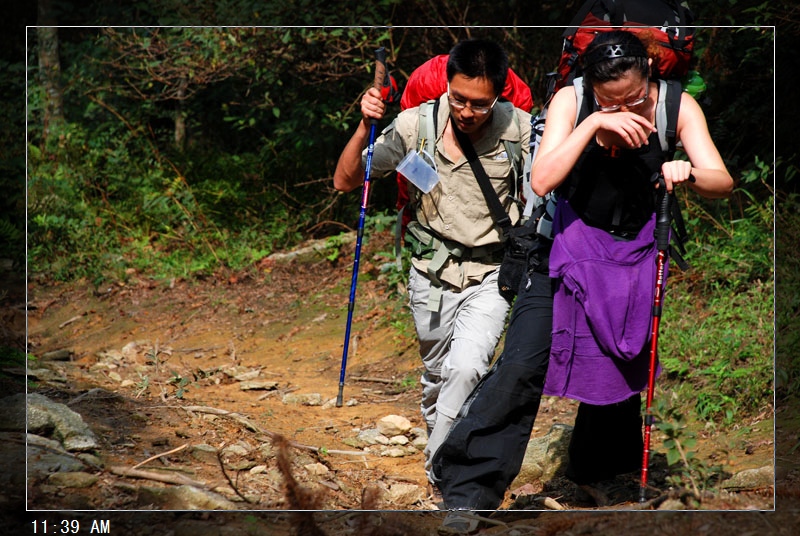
(479, 58)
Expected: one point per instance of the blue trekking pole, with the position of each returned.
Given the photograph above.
(381, 80)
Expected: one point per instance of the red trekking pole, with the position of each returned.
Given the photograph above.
(381, 80)
(662, 236)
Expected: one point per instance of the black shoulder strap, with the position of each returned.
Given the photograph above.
(435, 119)
(500, 216)
(673, 108)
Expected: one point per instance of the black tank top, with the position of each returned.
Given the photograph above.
(611, 189)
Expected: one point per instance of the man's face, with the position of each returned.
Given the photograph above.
(471, 102)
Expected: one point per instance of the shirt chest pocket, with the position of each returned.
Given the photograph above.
(498, 168)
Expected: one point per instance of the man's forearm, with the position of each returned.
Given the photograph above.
(349, 173)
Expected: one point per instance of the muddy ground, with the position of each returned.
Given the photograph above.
(229, 383)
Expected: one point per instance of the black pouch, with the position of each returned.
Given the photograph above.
(527, 250)
(521, 243)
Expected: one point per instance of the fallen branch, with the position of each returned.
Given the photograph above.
(70, 321)
(241, 419)
(384, 399)
(158, 477)
(94, 393)
(372, 379)
(244, 421)
(199, 349)
(151, 458)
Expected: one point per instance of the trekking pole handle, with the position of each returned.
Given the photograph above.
(663, 211)
(662, 214)
(381, 73)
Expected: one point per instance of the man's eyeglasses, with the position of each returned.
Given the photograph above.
(628, 105)
(459, 105)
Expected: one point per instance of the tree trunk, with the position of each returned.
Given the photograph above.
(180, 120)
(49, 69)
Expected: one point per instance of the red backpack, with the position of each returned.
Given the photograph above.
(429, 81)
(667, 21)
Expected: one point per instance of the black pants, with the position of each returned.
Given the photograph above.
(606, 441)
(484, 449)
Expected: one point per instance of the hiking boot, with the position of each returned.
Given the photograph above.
(460, 522)
(597, 493)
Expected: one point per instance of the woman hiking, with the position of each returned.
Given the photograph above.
(601, 169)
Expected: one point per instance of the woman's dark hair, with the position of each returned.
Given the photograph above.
(476, 58)
(612, 54)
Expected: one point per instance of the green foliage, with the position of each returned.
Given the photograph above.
(179, 383)
(409, 382)
(687, 467)
(191, 201)
(12, 358)
(12, 164)
(716, 338)
(143, 385)
(333, 245)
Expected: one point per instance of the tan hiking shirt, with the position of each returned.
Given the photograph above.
(456, 209)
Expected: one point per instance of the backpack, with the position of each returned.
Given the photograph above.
(667, 22)
(429, 81)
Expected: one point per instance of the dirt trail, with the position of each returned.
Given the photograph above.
(155, 367)
(163, 346)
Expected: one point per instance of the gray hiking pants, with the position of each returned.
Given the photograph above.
(456, 344)
(484, 450)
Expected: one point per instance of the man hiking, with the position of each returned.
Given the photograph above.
(454, 297)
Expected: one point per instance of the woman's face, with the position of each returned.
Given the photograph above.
(629, 93)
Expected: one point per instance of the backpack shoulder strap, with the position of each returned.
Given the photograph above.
(667, 110)
(426, 135)
(426, 139)
(578, 85)
(674, 93)
(514, 151)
